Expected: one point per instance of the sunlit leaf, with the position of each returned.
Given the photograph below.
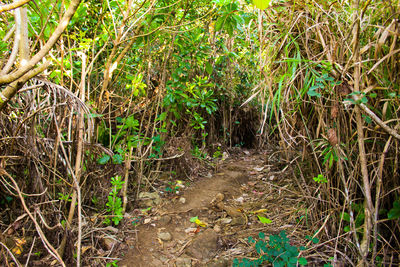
(209, 68)
(198, 222)
(264, 220)
(261, 4)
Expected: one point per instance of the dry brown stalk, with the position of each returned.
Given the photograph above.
(46, 243)
(368, 205)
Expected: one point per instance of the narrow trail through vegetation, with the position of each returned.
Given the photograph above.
(230, 205)
(200, 133)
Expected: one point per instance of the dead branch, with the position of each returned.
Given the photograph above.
(46, 243)
(62, 25)
(14, 5)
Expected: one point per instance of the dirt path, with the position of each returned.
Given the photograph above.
(228, 202)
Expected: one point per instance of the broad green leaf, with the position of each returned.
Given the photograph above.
(104, 159)
(261, 4)
(364, 100)
(302, 261)
(346, 216)
(394, 213)
(264, 220)
(229, 26)
(209, 68)
(219, 23)
(117, 159)
(313, 93)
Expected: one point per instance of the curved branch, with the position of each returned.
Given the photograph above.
(14, 52)
(13, 87)
(14, 5)
(378, 121)
(46, 48)
(39, 230)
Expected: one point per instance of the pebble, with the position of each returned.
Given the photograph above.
(240, 199)
(165, 236)
(183, 262)
(109, 243)
(226, 220)
(182, 200)
(190, 230)
(165, 220)
(204, 246)
(217, 228)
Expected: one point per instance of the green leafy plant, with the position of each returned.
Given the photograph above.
(197, 153)
(217, 154)
(64, 197)
(359, 218)
(360, 96)
(114, 204)
(112, 264)
(328, 153)
(171, 189)
(313, 239)
(322, 82)
(320, 179)
(394, 213)
(278, 251)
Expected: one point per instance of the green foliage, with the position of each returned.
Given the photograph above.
(64, 197)
(264, 220)
(172, 189)
(217, 154)
(320, 84)
(114, 204)
(261, 4)
(228, 18)
(320, 179)
(197, 153)
(112, 264)
(359, 96)
(5, 199)
(328, 153)
(278, 251)
(394, 213)
(359, 215)
(314, 239)
(104, 159)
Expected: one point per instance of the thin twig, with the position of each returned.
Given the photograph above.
(46, 243)
(12, 255)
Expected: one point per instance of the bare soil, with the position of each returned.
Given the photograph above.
(245, 186)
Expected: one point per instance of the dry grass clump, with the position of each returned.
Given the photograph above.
(331, 83)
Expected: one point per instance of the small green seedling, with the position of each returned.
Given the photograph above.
(320, 179)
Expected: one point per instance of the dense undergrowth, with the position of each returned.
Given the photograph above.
(138, 87)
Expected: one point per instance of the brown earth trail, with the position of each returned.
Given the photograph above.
(228, 203)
